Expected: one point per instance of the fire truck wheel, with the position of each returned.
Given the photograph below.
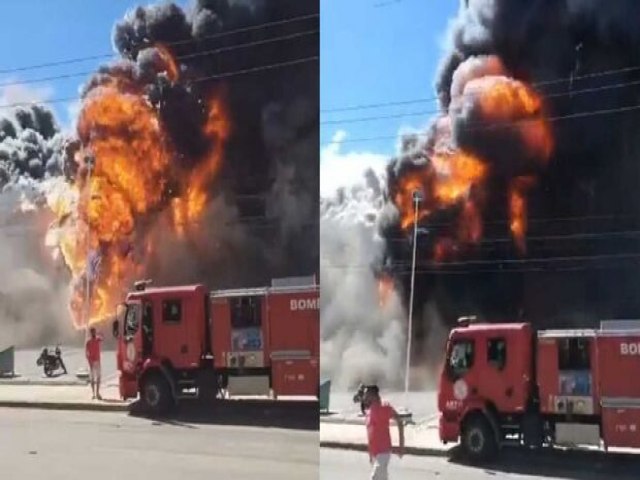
(478, 439)
(156, 394)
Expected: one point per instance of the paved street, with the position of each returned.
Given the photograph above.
(67, 445)
(519, 466)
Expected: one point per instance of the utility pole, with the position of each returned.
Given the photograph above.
(89, 161)
(417, 198)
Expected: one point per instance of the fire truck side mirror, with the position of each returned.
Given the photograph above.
(115, 329)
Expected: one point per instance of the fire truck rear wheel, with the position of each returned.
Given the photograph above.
(478, 439)
(156, 394)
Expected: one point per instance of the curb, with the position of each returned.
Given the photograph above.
(78, 406)
(415, 451)
(43, 383)
(341, 420)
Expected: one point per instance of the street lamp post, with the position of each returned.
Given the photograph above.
(417, 198)
(87, 300)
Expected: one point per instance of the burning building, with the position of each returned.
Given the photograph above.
(527, 181)
(529, 174)
(195, 153)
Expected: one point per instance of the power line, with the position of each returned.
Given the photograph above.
(434, 112)
(498, 125)
(571, 236)
(436, 97)
(175, 43)
(434, 264)
(181, 57)
(212, 77)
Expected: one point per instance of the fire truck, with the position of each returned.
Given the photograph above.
(185, 341)
(507, 383)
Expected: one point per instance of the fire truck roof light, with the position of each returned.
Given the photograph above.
(466, 321)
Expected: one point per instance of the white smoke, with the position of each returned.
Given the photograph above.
(33, 299)
(361, 341)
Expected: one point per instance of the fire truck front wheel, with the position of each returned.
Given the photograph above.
(156, 394)
(478, 439)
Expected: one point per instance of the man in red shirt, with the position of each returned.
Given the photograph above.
(379, 415)
(92, 352)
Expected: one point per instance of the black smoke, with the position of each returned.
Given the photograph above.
(263, 222)
(31, 145)
(581, 263)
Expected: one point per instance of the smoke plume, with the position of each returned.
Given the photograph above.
(194, 157)
(362, 333)
(526, 178)
(529, 172)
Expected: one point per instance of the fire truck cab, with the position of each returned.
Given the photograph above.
(184, 341)
(506, 383)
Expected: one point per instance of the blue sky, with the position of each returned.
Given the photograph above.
(375, 51)
(41, 31)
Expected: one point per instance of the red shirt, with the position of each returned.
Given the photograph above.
(379, 436)
(92, 349)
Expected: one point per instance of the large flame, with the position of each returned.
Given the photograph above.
(454, 178)
(127, 174)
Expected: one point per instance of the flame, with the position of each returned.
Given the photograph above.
(447, 180)
(503, 99)
(451, 177)
(189, 207)
(109, 207)
(518, 209)
(385, 290)
(173, 72)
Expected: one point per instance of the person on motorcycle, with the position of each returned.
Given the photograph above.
(59, 357)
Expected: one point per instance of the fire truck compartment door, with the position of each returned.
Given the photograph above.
(295, 377)
(621, 422)
(248, 385)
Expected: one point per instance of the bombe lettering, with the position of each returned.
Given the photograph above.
(630, 348)
(304, 304)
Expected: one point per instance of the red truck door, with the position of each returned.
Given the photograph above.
(460, 378)
(130, 342)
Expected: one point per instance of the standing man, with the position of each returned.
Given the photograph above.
(92, 352)
(379, 415)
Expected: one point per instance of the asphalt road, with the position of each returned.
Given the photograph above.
(519, 465)
(57, 445)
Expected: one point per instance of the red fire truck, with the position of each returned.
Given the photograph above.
(184, 341)
(505, 383)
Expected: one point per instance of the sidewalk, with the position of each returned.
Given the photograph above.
(348, 432)
(60, 397)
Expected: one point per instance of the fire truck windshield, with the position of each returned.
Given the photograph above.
(461, 358)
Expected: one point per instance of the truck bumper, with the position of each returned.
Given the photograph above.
(449, 430)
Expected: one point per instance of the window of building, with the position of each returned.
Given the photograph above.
(172, 311)
(573, 354)
(461, 357)
(246, 312)
(497, 353)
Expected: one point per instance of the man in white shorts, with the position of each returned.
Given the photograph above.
(92, 352)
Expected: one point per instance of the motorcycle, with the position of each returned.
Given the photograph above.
(359, 398)
(51, 362)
